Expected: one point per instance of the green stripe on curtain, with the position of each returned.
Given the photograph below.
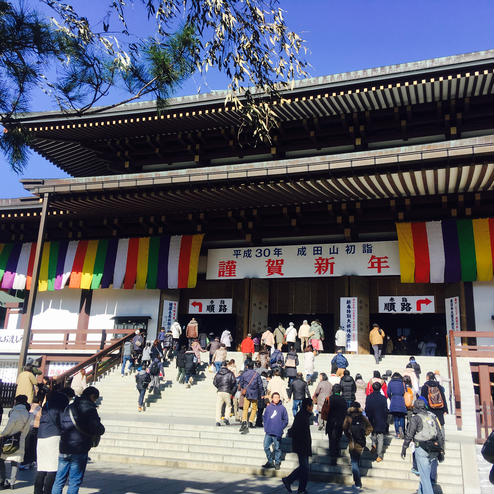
(99, 264)
(467, 250)
(154, 249)
(52, 265)
(4, 257)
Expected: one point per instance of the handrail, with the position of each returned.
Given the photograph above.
(480, 351)
(95, 360)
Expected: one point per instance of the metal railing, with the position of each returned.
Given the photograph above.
(7, 394)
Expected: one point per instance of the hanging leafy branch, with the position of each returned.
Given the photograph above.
(247, 40)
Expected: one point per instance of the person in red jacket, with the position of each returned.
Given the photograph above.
(247, 346)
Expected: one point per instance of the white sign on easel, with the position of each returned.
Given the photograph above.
(452, 306)
(349, 321)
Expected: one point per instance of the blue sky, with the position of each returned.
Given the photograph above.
(342, 35)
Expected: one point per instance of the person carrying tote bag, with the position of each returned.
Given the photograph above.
(13, 438)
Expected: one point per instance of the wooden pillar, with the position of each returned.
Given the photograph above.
(359, 287)
(83, 319)
(34, 286)
(258, 305)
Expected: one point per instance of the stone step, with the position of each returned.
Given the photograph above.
(255, 450)
(325, 473)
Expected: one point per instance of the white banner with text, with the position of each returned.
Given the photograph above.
(349, 321)
(304, 261)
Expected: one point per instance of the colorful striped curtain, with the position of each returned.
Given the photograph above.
(149, 262)
(446, 251)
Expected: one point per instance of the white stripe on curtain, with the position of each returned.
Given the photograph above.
(22, 265)
(173, 259)
(436, 250)
(120, 262)
(69, 261)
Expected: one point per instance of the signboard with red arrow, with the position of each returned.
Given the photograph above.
(406, 304)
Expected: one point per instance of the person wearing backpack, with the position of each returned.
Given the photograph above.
(154, 372)
(291, 362)
(433, 393)
(427, 434)
(276, 361)
(143, 378)
(397, 408)
(356, 427)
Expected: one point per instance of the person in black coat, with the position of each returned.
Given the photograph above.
(298, 390)
(190, 361)
(348, 387)
(425, 392)
(334, 425)
(302, 446)
(80, 424)
(376, 409)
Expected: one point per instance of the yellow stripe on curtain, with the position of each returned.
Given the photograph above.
(195, 249)
(142, 263)
(43, 269)
(483, 253)
(407, 256)
(88, 266)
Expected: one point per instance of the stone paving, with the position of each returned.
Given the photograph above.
(110, 478)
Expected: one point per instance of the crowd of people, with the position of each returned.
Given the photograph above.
(55, 429)
(343, 405)
(52, 430)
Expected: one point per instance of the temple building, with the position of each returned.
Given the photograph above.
(373, 202)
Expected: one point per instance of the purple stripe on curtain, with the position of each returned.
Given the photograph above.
(163, 262)
(452, 265)
(10, 269)
(62, 252)
(111, 256)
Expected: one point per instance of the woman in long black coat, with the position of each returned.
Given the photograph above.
(301, 445)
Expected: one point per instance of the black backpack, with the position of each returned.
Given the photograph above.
(154, 370)
(357, 429)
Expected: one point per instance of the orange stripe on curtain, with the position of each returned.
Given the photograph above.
(80, 255)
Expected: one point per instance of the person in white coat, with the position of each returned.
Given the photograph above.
(226, 338)
(176, 330)
(79, 382)
(19, 423)
(291, 335)
(340, 340)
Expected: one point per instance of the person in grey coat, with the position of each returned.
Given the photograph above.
(19, 422)
(322, 392)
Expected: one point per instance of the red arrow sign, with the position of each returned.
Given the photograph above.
(199, 305)
(421, 302)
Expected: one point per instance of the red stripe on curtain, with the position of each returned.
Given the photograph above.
(131, 266)
(30, 266)
(421, 252)
(491, 234)
(80, 255)
(184, 261)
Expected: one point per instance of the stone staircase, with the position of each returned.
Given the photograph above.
(177, 430)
